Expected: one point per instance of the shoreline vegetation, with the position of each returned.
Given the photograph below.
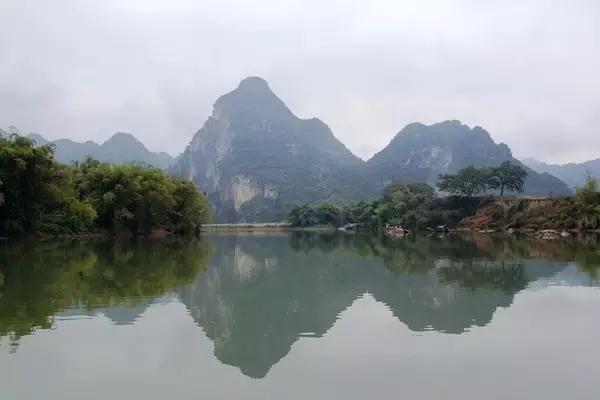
(416, 207)
(42, 197)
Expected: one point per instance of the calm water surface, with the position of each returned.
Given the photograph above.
(300, 316)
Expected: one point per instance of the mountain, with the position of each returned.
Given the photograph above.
(573, 174)
(254, 158)
(120, 148)
(38, 139)
(418, 153)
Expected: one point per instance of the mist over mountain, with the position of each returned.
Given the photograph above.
(573, 174)
(419, 153)
(254, 158)
(119, 148)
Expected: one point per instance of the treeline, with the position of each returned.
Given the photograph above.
(38, 194)
(580, 212)
(416, 205)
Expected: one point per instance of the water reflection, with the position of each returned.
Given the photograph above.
(253, 296)
(262, 293)
(85, 277)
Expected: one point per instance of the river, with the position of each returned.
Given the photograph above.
(300, 315)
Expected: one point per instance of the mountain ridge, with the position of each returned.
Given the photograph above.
(419, 153)
(255, 159)
(121, 147)
(573, 174)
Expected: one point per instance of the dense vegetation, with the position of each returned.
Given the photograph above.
(38, 194)
(471, 180)
(412, 205)
(578, 212)
(415, 205)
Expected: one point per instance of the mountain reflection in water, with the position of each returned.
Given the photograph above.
(255, 295)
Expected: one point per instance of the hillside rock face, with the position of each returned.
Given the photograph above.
(254, 158)
(120, 148)
(573, 174)
(419, 153)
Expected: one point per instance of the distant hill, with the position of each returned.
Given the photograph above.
(255, 158)
(573, 174)
(419, 153)
(120, 148)
(38, 139)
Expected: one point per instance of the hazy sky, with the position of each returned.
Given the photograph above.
(526, 70)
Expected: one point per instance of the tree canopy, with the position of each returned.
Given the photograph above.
(38, 194)
(471, 181)
(411, 205)
(415, 205)
(507, 176)
(468, 182)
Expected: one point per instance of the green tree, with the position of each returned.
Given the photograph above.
(468, 182)
(302, 215)
(38, 194)
(365, 212)
(140, 199)
(588, 195)
(191, 209)
(587, 203)
(507, 176)
(405, 205)
(329, 214)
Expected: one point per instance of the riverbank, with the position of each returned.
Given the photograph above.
(562, 216)
(262, 226)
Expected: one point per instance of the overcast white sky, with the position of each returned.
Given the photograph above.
(526, 70)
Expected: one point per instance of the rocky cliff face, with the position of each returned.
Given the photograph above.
(254, 158)
(419, 153)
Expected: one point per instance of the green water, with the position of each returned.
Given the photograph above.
(300, 316)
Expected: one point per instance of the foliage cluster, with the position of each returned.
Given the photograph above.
(412, 205)
(38, 194)
(579, 212)
(471, 181)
